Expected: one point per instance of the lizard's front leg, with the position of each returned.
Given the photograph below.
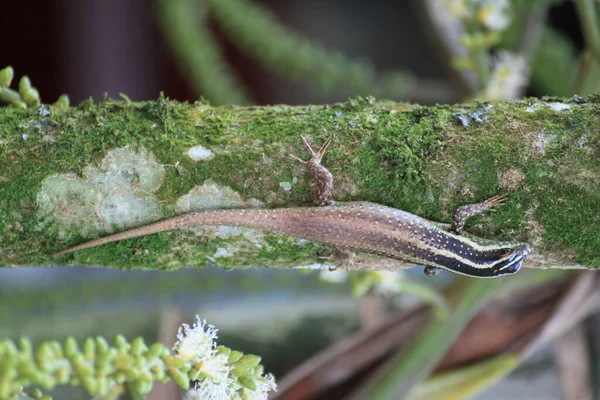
(321, 184)
(462, 214)
(321, 180)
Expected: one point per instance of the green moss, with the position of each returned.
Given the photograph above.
(420, 159)
(567, 148)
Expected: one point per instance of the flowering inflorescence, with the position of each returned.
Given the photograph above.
(107, 371)
(218, 372)
(493, 15)
(508, 77)
(503, 76)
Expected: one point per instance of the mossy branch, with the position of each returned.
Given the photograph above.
(95, 169)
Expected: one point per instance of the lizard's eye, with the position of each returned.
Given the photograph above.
(505, 253)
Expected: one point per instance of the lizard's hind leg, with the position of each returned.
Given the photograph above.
(468, 210)
(462, 214)
(344, 259)
(321, 180)
(431, 271)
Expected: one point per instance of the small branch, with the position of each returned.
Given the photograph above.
(92, 170)
(253, 28)
(482, 65)
(186, 27)
(533, 30)
(445, 33)
(589, 20)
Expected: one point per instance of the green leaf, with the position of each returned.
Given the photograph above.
(466, 382)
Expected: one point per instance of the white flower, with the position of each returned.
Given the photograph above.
(387, 282)
(509, 76)
(267, 383)
(211, 370)
(195, 343)
(209, 390)
(451, 9)
(493, 14)
(458, 8)
(334, 276)
(264, 385)
(215, 368)
(192, 394)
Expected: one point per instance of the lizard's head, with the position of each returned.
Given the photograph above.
(511, 259)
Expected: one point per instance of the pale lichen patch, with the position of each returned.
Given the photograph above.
(559, 106)
(209, 195)
(123, 208)
(223, 252)
(69, 204)
(255, 203)
(117, 195)
(541, 141)
(226, 231)
(285, 186)
(198, 153)
(555, 106)
(129, 166)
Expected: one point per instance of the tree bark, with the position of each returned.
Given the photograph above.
(96, 169)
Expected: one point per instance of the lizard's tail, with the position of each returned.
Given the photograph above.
(159, 226)
(287, 221)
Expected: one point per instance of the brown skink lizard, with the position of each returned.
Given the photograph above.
(361, 226)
